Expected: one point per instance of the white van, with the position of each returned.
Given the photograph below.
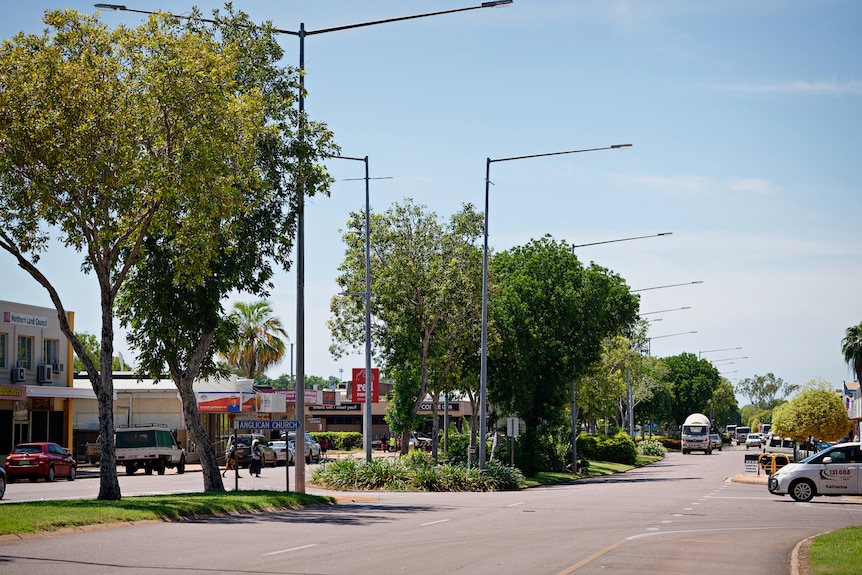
(833, 471)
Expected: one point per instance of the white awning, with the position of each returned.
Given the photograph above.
(57, 391)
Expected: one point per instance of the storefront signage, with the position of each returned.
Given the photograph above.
(11, 392)
(24, 319)
(359, 385)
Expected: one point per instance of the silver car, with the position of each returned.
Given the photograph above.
(312, 448)
(284, 452)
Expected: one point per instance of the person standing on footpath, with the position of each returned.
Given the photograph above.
(229, 457)
(324, 445)
(256, 459)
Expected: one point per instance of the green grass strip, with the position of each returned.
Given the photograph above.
(32, 517)
(837, 553)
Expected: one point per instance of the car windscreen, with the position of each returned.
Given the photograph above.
(695, 429)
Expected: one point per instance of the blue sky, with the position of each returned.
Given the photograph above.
(744, 119)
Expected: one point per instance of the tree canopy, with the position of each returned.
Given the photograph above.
(551, 315)
(816, 412)
(426, 297)
(851, 348)
(766, 391)
(692, 383)
(106, 135)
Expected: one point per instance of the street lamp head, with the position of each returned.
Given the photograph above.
(497, 4)
(617, 146)
(110, 6)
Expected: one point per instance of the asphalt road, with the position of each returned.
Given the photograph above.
(681, 515)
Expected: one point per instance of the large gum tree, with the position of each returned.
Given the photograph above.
(106, 135)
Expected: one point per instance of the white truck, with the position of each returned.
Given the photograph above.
(148, 447)
(695, 434)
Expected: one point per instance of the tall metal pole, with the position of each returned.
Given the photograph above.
(299, 443)
(483, 365)
(369, 383)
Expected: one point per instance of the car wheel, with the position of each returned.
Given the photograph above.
(2, 487)
(802, 490)
(72, 473)
(50, 474)
(160, 466)
(181, 466)
(130, 469)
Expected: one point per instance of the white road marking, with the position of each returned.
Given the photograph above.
(289, 550)
(433, 522)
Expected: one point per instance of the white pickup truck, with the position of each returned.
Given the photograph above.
(148, 447)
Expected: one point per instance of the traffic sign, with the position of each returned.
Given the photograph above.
(268, 424)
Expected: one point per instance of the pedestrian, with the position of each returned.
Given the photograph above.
(324, 445)
(229, 457)
(256, 459)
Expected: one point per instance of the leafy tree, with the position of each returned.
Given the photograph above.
(723, 405)
(105, 134)
(851, 347)
(257, 345)
(176, 318)
(91, 345)
(424, 302)
(816, 412)
(551, 315)
(766, 391)
(693, 382)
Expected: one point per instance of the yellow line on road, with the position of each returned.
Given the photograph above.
(591, 558)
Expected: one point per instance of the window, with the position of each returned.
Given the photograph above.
(3, 350)
(25, 352)
(51, 351)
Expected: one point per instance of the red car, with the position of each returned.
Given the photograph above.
(35, 460)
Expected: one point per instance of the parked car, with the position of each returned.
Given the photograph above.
(148, 447)
(243, 450)
(312, 448)
(837, 470)
(42, 459)
(753, 440)
(2, 482)
(715, 441)
(284, 451)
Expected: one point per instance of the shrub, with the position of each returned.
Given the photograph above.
(618, 449)
(339, 440)
(654, 448)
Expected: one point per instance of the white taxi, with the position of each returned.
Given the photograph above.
(833, 471)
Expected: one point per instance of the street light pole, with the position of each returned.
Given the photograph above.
(300, 202)
(483, 366)
(369, 387)
(621, 240)
(629, 391)
(714, 350)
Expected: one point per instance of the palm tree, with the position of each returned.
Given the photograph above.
(851, 347)
(258, 345)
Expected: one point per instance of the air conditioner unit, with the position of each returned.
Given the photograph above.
(44, 373)
(17, 374)
(57, 367)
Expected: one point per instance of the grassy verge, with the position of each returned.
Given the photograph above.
(595, 468)
(32, 517)
(837, 553)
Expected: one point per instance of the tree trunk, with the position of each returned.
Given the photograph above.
(206, 451)
(103, 387)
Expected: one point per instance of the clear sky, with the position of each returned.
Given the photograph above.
(745, 120)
